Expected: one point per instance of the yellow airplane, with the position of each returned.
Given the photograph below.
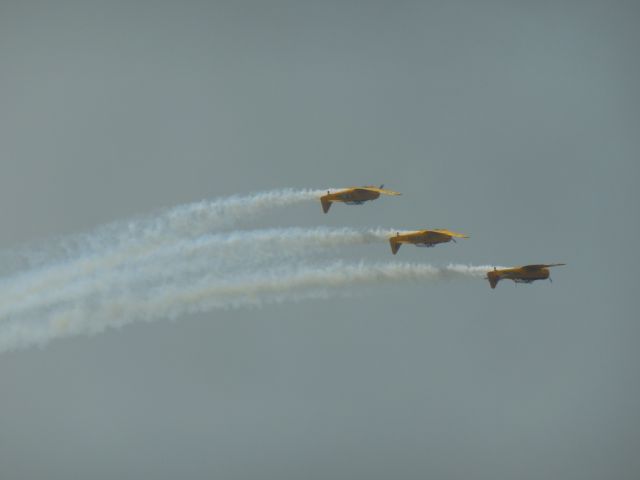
(354, 196)
(423, 238)
(525, 274)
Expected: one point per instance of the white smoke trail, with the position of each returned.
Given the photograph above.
(114, 243)
(121, 306)
(177, 262)
(62, 260)
(231, 252)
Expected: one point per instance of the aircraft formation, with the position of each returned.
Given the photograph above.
(430, 238)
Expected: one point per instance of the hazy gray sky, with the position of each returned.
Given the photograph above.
(516, 122)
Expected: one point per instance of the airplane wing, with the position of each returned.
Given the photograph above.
(383, 191)
(386, 191)
(429, 235)
(542, 265)
(452, 234)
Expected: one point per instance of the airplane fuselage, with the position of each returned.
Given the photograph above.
(421, 238)
(353, 197)
(518, 275)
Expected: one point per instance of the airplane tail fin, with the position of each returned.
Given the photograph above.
(326, 204)
(395, 245)
(493, 279)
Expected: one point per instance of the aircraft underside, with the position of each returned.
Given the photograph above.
(525, 280)
(529, 280)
